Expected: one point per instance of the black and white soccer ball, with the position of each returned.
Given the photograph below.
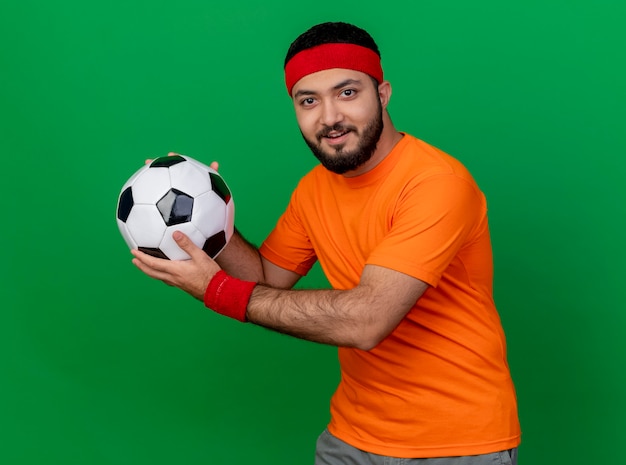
(176, 193)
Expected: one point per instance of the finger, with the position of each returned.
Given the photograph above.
(152, 272)
(150, 262)
(215, 165)
(147, 161)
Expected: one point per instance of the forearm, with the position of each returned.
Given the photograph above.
(339, 318)
(360, 317)
(241, 259)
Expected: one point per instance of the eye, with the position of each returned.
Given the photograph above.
(348, 93)
(307, 102)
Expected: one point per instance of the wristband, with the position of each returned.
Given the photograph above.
(228, 295)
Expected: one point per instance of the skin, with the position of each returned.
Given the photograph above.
(345, 98)
(360, 317)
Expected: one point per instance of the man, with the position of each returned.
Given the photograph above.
(400, 230)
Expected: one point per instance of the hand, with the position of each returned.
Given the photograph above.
(191, 276)
(215, 165)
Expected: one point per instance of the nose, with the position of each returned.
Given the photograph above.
(330, 113)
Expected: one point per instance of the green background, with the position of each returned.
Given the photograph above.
(102, 365)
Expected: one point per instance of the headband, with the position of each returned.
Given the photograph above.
(335, 55)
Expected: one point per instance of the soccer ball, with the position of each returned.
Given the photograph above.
(175, 193)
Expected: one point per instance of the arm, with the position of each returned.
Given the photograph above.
(360, 317)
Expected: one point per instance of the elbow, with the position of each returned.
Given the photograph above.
(369, 338)
(365, 345)
(372, 332)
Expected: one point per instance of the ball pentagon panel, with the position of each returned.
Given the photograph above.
(166, 162)
(220, 187)
(215, 244)
(176, 207)
(125, 204)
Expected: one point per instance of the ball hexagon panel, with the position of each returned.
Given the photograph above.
(190, 178)
(135, 175)
(201, 166)
(145, 225)
(230, 219)
(169, 246)
(126, 235)
(217, 182)
(151, 185)
(209, 214)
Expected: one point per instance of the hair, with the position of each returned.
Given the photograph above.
(331, 33)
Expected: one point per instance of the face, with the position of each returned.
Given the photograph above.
(340, 116)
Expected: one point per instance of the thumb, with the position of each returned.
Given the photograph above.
(185, 243)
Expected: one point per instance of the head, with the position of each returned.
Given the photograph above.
(334, 76)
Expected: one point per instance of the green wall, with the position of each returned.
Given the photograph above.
(101, 365)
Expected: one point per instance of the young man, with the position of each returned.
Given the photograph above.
(400, 230)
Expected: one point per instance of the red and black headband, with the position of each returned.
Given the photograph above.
(335, 55)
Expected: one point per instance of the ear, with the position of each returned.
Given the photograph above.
(384, 93)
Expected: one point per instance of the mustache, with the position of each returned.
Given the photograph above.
(325, 132)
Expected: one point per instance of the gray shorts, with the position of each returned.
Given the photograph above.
(333, 451)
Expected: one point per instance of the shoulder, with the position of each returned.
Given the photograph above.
(419, 161)
(426, 176)
(429, 159)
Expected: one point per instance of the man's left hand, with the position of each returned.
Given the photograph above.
(192, 276)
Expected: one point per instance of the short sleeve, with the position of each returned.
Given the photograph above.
(433, 219)
(288, 245)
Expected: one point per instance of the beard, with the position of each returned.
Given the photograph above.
(341, 161)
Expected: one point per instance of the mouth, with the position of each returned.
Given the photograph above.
(335, 137)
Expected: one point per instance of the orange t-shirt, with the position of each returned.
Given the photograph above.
(439, 384)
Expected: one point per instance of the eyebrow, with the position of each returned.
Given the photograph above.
(344, 83)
